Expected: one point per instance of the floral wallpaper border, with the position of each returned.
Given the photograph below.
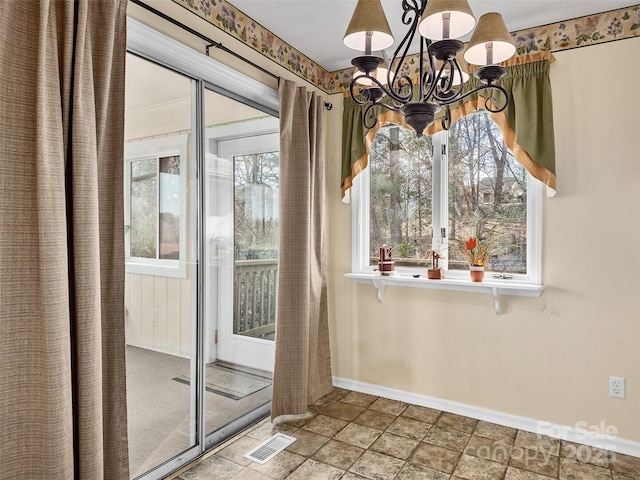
(580, 32)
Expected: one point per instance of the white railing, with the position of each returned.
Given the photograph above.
(254, 307)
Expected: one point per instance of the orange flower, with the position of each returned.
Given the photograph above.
(471, 243)
(476, 251)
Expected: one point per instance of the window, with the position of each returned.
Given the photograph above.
(400, 212)
(243, 167)
(487, 195)
(256, 178)
(424, 193)
(154, 206)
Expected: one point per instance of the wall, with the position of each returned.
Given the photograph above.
(546, 358)
(158, 313)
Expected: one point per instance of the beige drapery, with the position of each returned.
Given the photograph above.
(526, 125)
(302, 372)
(62, 381)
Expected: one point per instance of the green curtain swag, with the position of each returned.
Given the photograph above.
(526, 124)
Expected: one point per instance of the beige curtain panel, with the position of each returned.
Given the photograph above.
(526, 124)
(302, 372)
(63, 399)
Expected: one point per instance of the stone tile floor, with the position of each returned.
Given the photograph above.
(354, 436)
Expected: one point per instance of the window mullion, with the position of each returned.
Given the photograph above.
(127, 209)
(157, 208)
(440, 239)
(360, 205)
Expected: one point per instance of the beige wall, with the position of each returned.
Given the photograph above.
(546, 358)
(158, 313)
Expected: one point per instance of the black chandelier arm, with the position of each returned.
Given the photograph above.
(394, 92)
(446, 118)
(367, 93)
(370, 119)
(370, 96)
(410, 7)
(368, 115)
(356, 98)
(446, 95)
(426, 78)
(487, 105)
(427, 85)
(399, 62)
(434, 84)
(375, 93)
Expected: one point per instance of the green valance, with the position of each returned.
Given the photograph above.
(526, 124)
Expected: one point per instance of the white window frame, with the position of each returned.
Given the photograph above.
(169, 146)
(360, 199)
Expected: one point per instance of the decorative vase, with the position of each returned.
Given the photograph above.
(477, 273)
(385, 262)
(435, 273)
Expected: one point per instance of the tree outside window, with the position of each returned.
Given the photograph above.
(486, 197)
(401, 166)
(256, 178)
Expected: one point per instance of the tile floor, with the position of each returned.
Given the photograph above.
(354, 436)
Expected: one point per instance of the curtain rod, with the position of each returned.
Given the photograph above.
(210, 42)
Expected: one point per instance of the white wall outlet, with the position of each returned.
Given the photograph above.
(617, 387)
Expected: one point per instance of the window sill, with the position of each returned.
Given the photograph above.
(490, 286)
(157, 268)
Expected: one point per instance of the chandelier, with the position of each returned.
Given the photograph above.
(441, 72)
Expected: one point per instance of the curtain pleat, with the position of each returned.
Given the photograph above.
(526, 124)
(302, 372)
(63, 399)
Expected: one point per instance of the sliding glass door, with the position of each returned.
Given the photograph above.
(161, 264)
(201, 212)
(241, 242)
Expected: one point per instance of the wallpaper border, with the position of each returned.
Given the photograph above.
(580, 32)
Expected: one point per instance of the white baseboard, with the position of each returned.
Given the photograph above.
(571, 434)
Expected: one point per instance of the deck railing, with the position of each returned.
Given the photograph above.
(254, 307)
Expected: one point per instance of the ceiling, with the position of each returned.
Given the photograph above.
(316, 27)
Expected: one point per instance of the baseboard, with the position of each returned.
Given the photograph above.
(571, 434)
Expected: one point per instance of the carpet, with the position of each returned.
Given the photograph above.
(229, 382)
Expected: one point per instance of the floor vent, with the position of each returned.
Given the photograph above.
(269, 448)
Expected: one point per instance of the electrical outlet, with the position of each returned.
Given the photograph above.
(616, 387)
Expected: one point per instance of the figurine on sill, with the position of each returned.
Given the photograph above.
(385, 262)
(435, 272)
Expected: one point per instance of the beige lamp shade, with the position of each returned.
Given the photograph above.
(368, 17)
(380, 74)
(491, 42)
(433, 23)
(463, 67)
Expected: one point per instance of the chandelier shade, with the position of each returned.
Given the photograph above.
(368, 29)
(380, 74)
(491, 42)
(444, 19)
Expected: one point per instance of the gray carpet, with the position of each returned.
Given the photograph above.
(160, 413)
(228, 381)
